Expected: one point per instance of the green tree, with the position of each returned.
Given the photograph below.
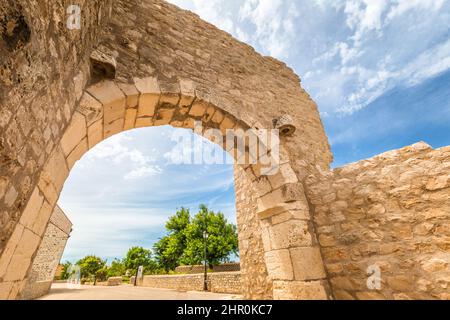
(222, 238)
(65, 270)
(184, 243)
(102, 274)
(90, 265)
(138, 256)
(117, 269)
(169, 250)
(164, 253)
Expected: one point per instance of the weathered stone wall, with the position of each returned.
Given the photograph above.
(390, 212)
(163, 66)
(48, 256)
(43, 69)
(257, 284)
(224, 282)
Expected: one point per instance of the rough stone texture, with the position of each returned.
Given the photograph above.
(251, 249)
(391, 211)
(223, 282)
(165, 66)
(152, 64)
(48, 256)
(226, 267)
(114, 281)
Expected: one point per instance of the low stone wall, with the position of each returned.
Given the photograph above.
(389, 214)
(224, 282)
(114, 281)
(226, 267)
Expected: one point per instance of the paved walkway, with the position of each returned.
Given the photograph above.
(60, 291)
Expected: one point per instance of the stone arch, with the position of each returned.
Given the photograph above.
(154, 50)
(279, 205)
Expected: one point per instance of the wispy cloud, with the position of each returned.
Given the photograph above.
(348, 52)
(117, 152)
(121, 193)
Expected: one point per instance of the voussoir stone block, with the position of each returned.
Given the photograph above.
(77, 153)
(91, 108)
(95, 133)
(10, 248)
(163, 116)
(107, 93)
(130, 119)
(149, 95)
(21, 259)
(74, 133)
(32, 209)
(131, 94)
(56, 169)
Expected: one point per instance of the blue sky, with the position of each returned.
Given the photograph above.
(379, 71)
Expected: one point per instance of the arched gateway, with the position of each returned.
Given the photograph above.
(148, 63)
(376, 229)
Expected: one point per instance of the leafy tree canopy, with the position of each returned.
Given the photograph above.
(90, 265)
(138, 256)
(184, 243)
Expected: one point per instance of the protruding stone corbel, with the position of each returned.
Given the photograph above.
(285, 124)
(103, 64)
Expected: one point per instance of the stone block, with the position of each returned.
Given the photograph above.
(187, 89)
(109, 94)
(130, 119)
(4, 182)
(198, 109)
(401, 283)
(299, 290)
(47, 188)
(56, 169)
(114, 128)
(164, 116)
(131, 94)
(5, 289)
(307, 263)
(144, 122)
(279, 265)
(293, 233)
(32, 209)
(77, 153)
(218, 116)
(42, 219)
(371, 295)
(95, 133)
(284, 176)
(21, 259)
(91, 108)
(227, 124)
(74, 133)
(8, 252)
(150, 95)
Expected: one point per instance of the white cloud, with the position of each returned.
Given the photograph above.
(428, 64)
(403, 6)
(114, 150)
(348, 52)
(143, 172)
(274, 23)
